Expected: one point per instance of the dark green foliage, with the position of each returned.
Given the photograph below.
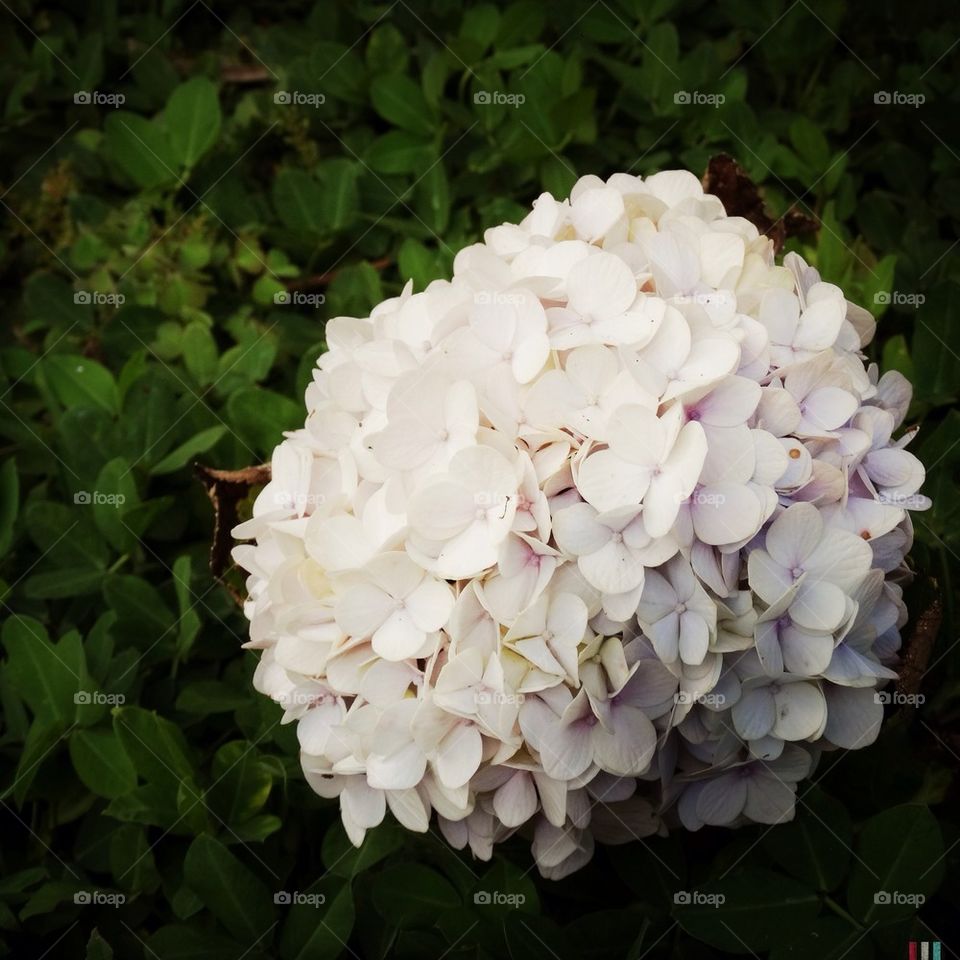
(188, 191)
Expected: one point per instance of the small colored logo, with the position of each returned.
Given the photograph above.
(924, 950)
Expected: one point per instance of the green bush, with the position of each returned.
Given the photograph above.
(189, 190)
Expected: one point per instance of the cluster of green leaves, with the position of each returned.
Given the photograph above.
(189, 191)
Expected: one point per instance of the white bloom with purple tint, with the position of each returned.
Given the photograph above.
(604, 535)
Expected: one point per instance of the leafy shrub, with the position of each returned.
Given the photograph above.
(189, 190)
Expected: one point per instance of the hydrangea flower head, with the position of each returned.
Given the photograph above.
(603, 536)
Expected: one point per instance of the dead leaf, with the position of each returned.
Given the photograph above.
(740, 196)
(226, 489)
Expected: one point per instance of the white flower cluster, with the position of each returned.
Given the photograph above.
(603, 535)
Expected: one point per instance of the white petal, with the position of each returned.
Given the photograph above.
(801, 711)
(854, 716)
(754, 714)
(516, 801)
(601, 286)
(459, 755)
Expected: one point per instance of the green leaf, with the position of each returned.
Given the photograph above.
(899, 856)
(343, 859)
(240, 901)
(188, 623)
(39, 747)
(409, 894)
(140, 148)
(138, 602)
(319, 929)
(78, 381)
(339, 199)
(241, 782)
(9, 502)
(101, 763)
(115, 494)
(98, 948)
(260, 416)
(433, 198)
(760, 908)
(299, 200)
(400, 152)
(47, 676)
(816, 846)
(400, 101)
(193, 120)
(932, 352)
(131, 859)
(184, 454)
(200, 352)
(155, 745)
(64, 582)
